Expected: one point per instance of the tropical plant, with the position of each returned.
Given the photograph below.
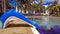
(54, 8)
(26, 5)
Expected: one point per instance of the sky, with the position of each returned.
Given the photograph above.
(59, 1)
(49, 1)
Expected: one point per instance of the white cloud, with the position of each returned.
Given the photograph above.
(48, 0)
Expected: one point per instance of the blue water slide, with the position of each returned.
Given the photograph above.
(13, 12)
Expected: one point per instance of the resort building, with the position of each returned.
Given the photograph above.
(3, 5)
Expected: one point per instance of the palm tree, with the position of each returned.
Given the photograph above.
(26, 5)
(40, 7)
(58, 10)
(54, 7)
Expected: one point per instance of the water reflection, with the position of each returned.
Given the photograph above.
(48, 21)
(45, 20)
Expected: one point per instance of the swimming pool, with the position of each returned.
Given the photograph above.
(48, 21)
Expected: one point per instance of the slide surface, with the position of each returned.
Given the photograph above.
(13, 12)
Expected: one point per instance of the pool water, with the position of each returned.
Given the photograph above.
(48, 25)
(48, 21)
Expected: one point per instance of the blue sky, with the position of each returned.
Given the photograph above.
(48, 0)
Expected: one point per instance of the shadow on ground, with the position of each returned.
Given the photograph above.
(18, 25)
